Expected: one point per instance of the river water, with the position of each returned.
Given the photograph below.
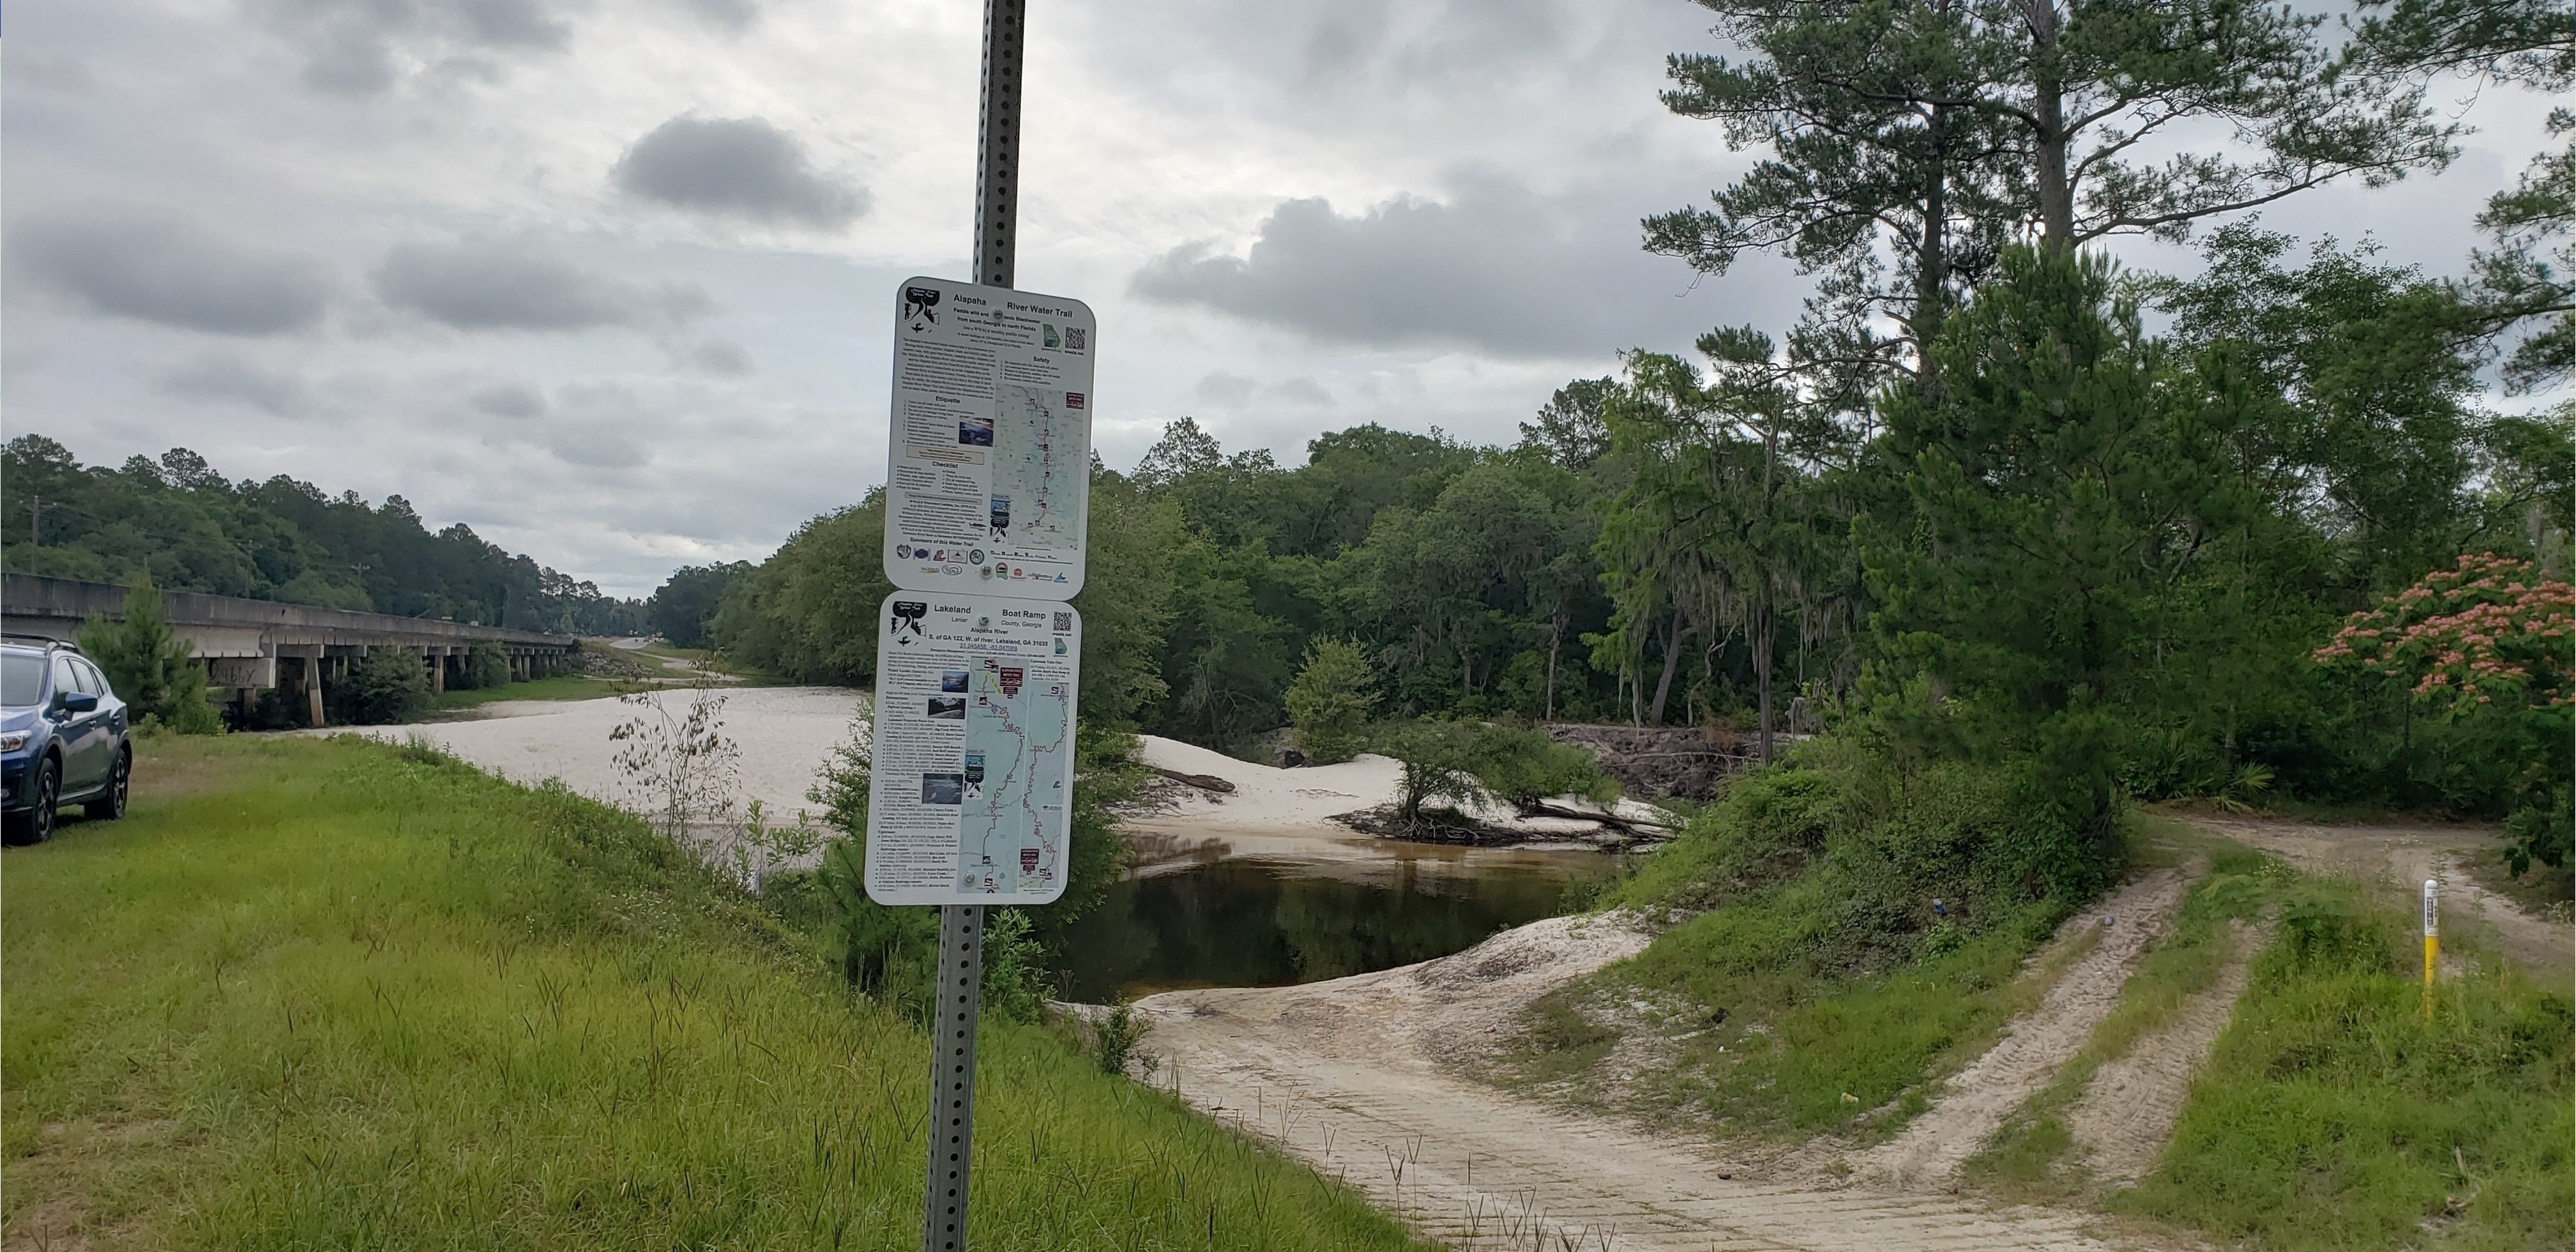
(1261, 890)
(1267, 912)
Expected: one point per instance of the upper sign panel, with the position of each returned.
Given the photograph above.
(988, 454)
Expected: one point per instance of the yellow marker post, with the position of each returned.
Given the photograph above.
(2432, 941)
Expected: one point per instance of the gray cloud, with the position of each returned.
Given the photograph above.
(721, 357)
(1498, 267)
(158, 268)
(1220, 387)
(521, 284)
(230, 378)
(1303, 391)
(739, 167)
(518, 400)
(1342, 59)
(603, 426)
(734, 16)
(362, 47)
(53, 73)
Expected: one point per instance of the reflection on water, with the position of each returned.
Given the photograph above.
(1247, 923)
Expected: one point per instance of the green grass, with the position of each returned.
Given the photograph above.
(1765, 1043)
(2332, 1115)
(1811, 987)
(336, 994)
(1769, 1047)
(559, 687)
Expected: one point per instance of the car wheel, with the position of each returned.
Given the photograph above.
(36, 825)
(111, 806)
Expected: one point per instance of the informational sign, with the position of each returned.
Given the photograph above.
(973, 757)
(988, 457)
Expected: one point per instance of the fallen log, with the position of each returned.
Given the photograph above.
(1204, 782)
(1604, 818)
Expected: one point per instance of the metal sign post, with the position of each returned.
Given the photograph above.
(961, 926)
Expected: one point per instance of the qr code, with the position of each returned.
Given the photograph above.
(1063, 623)
(1076, 339)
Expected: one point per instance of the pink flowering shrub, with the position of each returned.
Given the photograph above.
(2491, 631)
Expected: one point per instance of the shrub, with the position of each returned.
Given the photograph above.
(1524, 768)
(1114, 1039)
(389, 685)
(486, 666)
(1329, 702)
(1847, 851)
(152, 669)
(886, 952)
(1439, 760)
(2490, 632)
(1468, 762)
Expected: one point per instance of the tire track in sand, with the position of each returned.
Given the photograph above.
(1975, 1102)
(1345, 1076)
(2126, 1114)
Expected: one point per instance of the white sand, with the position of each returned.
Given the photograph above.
(783, 736)
(1287, 813)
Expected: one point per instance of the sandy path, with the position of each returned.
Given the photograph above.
(1975, 1102)
(2126, 1114)
(1346, 1075)
(2402, 857)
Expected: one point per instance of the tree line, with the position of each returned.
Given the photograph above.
(1971, 500)
(180, 524)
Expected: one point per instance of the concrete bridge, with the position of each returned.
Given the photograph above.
(249, 646)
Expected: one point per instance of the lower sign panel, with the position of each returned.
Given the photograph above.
(971, 791)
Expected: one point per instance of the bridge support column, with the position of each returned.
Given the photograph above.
(313, 666)
(438, 671)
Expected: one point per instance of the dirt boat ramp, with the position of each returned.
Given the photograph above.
(1347, 1075)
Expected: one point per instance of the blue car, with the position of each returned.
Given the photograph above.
(63, 739)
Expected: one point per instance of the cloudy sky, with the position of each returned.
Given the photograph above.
(609, 281)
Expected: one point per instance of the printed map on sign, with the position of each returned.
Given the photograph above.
(1040, 448)
(1017, 731)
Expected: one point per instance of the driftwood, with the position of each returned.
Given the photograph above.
(1204, 782)
(1604, 817)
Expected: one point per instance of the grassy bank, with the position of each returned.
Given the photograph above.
(327, 993)
(1840, 940)
(2332, 1115)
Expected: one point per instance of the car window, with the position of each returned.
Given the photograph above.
(92, 681)
(22, 679)
(65, 680)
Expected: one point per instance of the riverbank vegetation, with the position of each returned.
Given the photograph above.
(1839, 931)
(323, 992)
